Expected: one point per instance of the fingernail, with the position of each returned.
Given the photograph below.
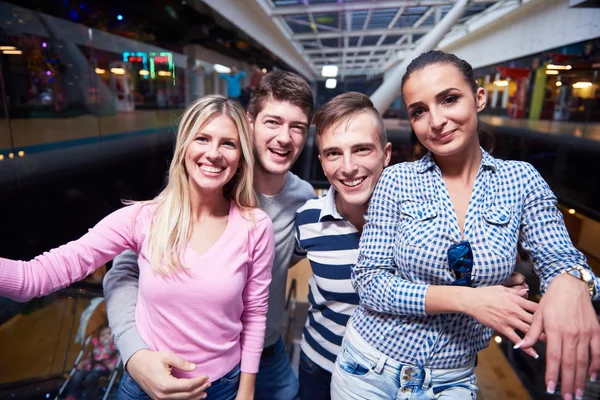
(551, 387)
(518, 345)
(534, 354)
(579, 394)
(568, 396)
(192, 365)
(594, 377)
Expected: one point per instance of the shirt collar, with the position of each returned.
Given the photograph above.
(329, 210)
(428, 162)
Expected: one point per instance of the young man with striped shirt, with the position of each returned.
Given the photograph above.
(353, 151)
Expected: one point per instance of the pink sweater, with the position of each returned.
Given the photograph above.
(213, 314)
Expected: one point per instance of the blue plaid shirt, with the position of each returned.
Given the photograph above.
(410, 225)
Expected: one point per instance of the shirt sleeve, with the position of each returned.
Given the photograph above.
(121, 286)
(374, 276)
(58, 268)
(256, 294)
(544, 235)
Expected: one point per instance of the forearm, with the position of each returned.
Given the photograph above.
(447, 299)
(382, 291)
(121, 285)
(247, 385)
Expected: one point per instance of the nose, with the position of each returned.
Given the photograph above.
(213, 153)
(283, 136)
(438, 119)
(349, 166)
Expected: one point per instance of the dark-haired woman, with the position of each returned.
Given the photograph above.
(441, 236)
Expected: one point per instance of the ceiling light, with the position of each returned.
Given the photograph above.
(7, 48)
(558, 83)
(329, 71)
(100, 71)
(582, 85)
(12, 52)
(221, 69)
(331, 83)
(264, 70)
(143, 72)
(551, 72)
(117, 71)
(501, 83)
(572, 211)
(554, 66)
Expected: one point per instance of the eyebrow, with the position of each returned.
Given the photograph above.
(279, 119)
(354, 146)
(210, 136)
(441, 94)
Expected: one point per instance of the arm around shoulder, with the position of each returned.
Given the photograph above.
(121, 286)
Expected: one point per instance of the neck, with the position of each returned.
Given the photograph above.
(461, 166)
(208, 204)
(352, 212)
(268, 183)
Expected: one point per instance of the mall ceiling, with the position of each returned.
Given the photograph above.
(165, 23)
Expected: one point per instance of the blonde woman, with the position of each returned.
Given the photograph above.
(205, 256)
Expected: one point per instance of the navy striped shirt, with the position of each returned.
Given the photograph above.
(331, 245)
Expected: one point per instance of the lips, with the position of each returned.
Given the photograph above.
(445, 136)
(211, 169)
(353, 183)
(279, 152)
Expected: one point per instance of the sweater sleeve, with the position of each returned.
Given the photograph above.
(58, 268)
(121, 286)
(256, 294)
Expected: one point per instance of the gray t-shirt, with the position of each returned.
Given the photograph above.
(121, 282)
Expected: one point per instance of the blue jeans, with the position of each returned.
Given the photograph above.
(225, 388)
(276, 379)
(315, 382)
(362, 372)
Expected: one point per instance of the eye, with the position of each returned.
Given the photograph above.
(299, 129)
(417, 112)
(229, 144)
(333, 154)
(363, 150)
(450, 99)
(201, 139)
(271, 122)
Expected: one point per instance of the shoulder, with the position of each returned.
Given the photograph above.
(300, 187)
(518, 171)
(310, 212)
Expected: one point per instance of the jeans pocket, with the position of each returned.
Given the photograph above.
(130, 390)
(232, 377)
(350, 365)
(307, 365)
(465, 388)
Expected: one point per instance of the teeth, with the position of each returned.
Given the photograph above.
(354, 182)
(280, 152)
(211, 169)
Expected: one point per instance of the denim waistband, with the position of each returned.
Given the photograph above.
(409, 375)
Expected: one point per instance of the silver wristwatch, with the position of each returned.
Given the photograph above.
(584, 275)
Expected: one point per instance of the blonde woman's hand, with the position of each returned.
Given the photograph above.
(503, 309)
(567, 317)
(151, 370)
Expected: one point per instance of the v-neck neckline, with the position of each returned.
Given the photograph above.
(217, 243)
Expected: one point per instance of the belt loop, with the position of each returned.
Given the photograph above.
(427, 378)
(380, 363)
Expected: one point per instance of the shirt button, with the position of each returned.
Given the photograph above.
(408, 371)
(503, 218)
(404, 377)
(405, 389)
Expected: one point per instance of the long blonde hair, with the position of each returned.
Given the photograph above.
(171, 224)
